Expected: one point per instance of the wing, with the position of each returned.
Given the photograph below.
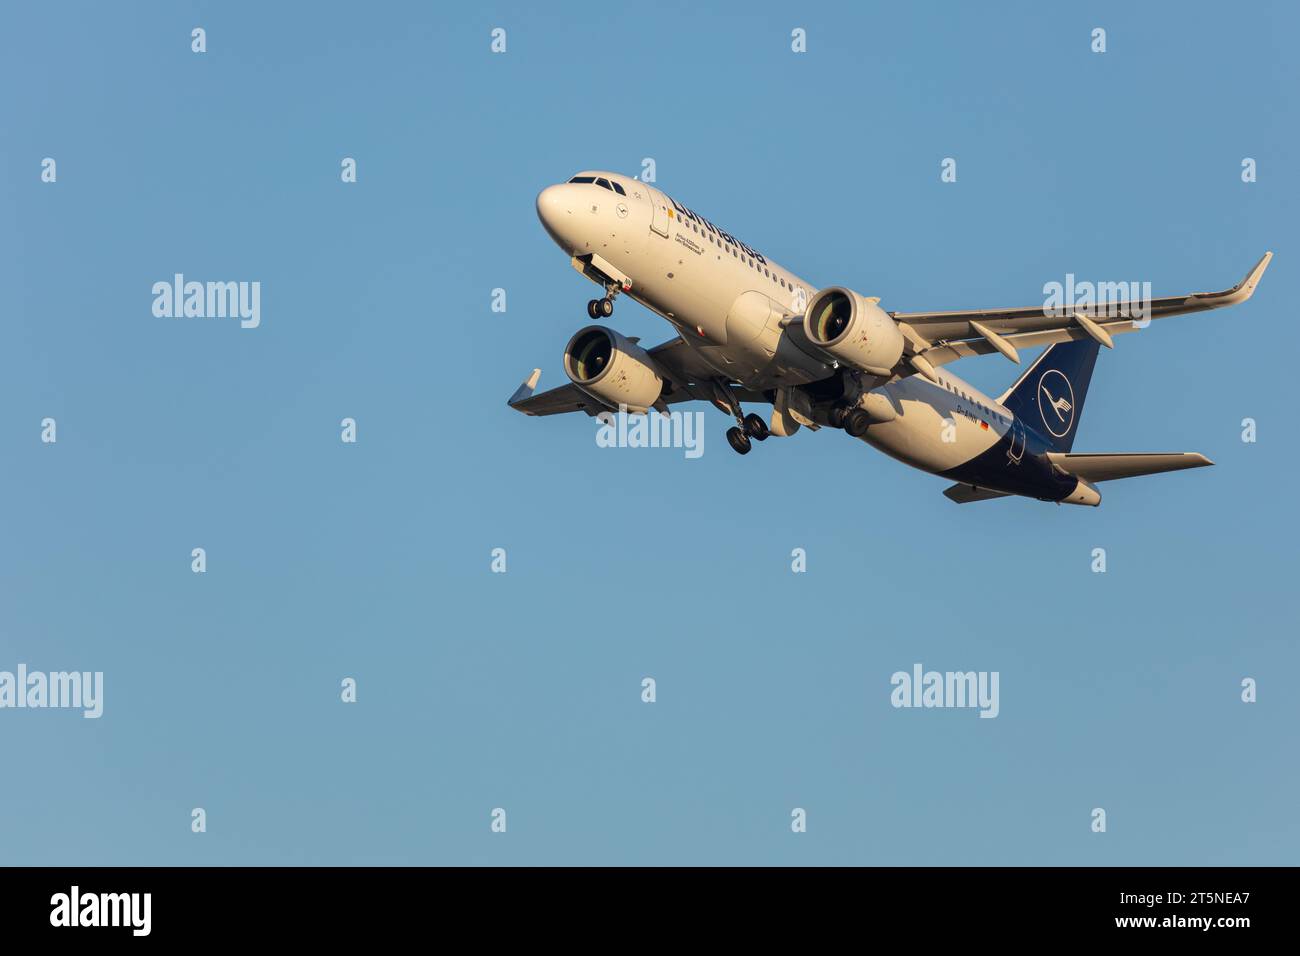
(942, 337)
(1107, 467)
(566, 398)
(687, 378)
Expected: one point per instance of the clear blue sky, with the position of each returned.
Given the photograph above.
(522, 690)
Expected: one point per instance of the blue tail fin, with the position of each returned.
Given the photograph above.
(1049, 396)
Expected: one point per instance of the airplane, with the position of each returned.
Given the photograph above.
(751, 331)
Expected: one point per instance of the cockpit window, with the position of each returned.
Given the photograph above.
(602, 182)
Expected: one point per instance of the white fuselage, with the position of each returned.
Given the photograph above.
(728, 301)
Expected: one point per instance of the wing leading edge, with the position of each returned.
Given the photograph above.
(954, 335)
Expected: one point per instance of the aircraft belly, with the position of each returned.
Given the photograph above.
(678, 284)
(733, 326)
(921, 435)
(734, 329)
(1031, 475)
(761, 352)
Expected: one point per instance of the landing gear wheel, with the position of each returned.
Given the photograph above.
(739, 441)
(605, 307)
(593, 309)
(836, 417)
(856, 423)
(756, 428)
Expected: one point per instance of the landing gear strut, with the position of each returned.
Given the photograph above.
(748, 428)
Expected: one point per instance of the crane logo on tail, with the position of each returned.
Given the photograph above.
(1056, 402)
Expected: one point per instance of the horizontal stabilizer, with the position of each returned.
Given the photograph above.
(1107, 467)
(965, 494)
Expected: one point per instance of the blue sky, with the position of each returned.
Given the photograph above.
(522, 690)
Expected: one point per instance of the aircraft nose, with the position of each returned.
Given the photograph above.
(553, 208)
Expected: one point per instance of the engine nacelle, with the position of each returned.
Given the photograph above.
(854, 330)
(612, 369)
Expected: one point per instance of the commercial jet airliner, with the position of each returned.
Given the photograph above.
(750, 331)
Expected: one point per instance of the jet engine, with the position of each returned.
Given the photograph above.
(854, 330)
(612, 369)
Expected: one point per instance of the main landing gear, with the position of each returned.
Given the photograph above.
(748, 429)
(751, 427)
(853, 420)
(856, 423)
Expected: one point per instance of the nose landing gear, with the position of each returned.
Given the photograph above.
(604, 308)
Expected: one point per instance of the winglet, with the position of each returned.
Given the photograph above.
(527, 388)
(1244, 289)
(1252, 279)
